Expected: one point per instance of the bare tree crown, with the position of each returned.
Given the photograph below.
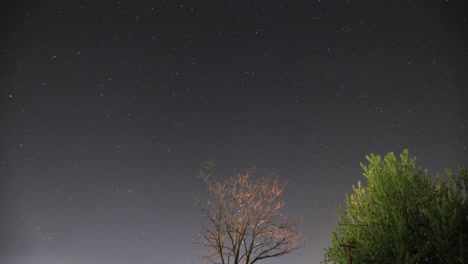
(242, 220)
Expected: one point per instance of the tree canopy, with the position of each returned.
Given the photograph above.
(402, 216)
(243, 220)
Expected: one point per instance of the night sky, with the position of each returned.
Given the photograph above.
(108, 110)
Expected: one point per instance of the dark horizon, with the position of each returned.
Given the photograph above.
(109, 109)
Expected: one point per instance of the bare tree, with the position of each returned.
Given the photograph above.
(242, 221)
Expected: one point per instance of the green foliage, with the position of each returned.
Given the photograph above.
(402, 216)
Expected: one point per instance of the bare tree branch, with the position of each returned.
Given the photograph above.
(242, 219)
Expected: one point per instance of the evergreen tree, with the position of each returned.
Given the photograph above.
(402, 216)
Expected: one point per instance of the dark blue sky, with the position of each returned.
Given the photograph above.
(108, 109)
